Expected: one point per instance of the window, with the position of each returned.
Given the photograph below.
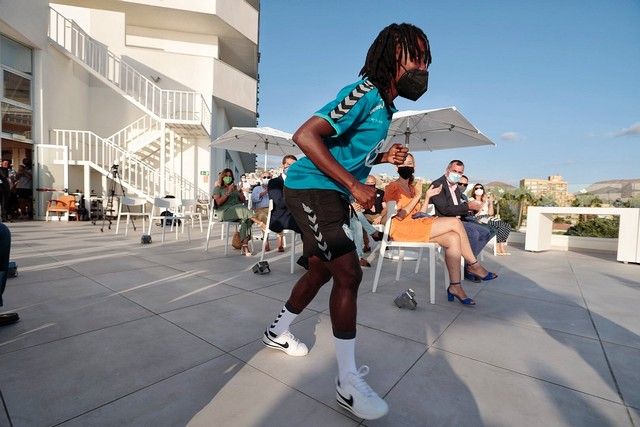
(15, 89)
(16, 120)
(15, 55)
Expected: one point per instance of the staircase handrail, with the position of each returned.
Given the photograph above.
(171, 105)
(137, 175)
(123, 138)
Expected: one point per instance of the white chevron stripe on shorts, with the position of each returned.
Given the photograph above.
(322, 245)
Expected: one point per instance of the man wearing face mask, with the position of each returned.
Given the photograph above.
(451, 202)
(342, 141)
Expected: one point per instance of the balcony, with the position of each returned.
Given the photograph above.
(233, 87)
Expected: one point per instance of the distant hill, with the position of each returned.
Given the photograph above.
(499, 184)
(613, 189)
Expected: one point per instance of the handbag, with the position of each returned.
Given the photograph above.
(236, 242)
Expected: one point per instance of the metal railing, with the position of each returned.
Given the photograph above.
(138, 176)
(170, 105)
(126, 137)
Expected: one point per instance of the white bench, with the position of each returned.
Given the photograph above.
(540, 222)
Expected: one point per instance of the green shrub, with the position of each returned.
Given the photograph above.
(596, 227)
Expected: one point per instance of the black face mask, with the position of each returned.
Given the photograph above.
(406, 172)
(413, 84)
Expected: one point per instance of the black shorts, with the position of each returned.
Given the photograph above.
(323, 217)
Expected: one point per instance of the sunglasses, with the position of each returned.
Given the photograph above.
(462, 185)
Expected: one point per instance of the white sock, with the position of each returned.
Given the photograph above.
(282, 321)
(346, 355)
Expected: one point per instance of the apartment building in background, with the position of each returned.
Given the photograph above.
(142, 84)
(554, 187)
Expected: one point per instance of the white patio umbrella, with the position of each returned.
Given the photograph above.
(257, 140)
(430, 130)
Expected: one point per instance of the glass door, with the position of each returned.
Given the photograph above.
(51, 175)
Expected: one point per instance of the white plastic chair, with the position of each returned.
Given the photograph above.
(386, 243)
(125, 210)
(226, 225)
(284, 233)
(161, 204)
(189, 210)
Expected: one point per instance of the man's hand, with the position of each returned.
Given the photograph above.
(365, 196)
(396, 154)
(433, 191)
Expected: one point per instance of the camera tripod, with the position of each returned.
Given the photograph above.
(108, 211)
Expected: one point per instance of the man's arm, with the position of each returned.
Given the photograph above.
(444, 205)
(310, 139)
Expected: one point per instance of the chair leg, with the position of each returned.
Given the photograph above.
(378, 267)
(225, 226)
(432, 276)
(206, 242)
(264, 244)
(418, 260)
(399, 268)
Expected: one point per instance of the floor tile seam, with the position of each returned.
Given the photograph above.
(569, 304)
(119, 293)
(532, 327)
(289, 386)
(492, 288)
(602, 347)
(630, 347)
(276, 299)
(426, 350)
(4, 407)
(146, 316)
(118, 271)
(191, 333)
(219, 299)
(138, 390)
(524, 374)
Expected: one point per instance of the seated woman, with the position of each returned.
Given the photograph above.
(412, 224)
(486, 216)
(229, 202)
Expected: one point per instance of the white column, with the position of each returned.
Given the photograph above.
(172, 155)
(163, 161)
(87, 187)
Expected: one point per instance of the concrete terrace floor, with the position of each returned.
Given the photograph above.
(116, 333)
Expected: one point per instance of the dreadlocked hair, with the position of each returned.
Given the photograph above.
(381, 63)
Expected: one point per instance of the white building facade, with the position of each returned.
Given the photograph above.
(142, 84)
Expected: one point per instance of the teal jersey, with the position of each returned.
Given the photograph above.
(361, 121)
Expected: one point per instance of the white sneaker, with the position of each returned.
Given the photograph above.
(285, 342)
(355, 395)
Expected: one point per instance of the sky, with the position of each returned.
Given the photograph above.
(555, 84)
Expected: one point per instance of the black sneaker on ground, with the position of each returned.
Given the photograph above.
(8, 318)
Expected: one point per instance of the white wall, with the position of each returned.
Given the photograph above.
(25, 21)
(65, 93)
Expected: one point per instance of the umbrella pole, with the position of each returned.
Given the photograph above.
(407, 134)
(266, 153)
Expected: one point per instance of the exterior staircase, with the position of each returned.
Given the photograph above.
(136, 147)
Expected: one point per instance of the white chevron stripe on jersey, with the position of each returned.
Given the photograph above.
(350, 100)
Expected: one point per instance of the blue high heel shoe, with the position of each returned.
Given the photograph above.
(450, 296)
(489, 276)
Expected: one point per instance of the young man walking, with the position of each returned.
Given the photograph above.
(342, 141)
